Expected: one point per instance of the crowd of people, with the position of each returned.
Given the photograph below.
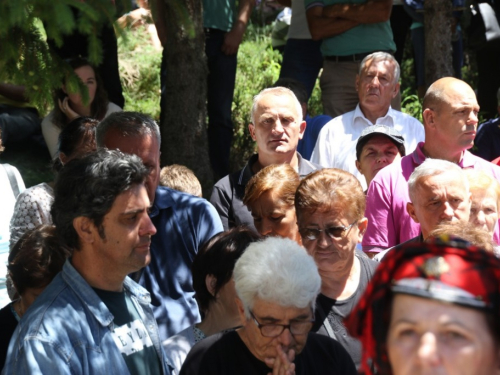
(364, 243)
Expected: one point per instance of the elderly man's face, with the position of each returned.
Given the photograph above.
(375, 85)
(145, 147)
(439, 199)
(271, 313)
(278, 127)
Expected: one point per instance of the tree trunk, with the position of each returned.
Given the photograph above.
(438, 55)
(183, 128)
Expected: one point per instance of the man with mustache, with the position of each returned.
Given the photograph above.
(377, 83)
(277, 126)
(92, 318)
(450, 120)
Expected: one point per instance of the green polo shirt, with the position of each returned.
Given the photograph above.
(219, 14)
(360, 39)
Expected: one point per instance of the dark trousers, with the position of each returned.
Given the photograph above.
(220, 90)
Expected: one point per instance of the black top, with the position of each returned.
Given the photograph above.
(228, 193)
(330, 313)
(226, 354)
(8, 324)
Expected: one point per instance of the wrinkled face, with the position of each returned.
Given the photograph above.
(272, 217)
(454, 123)
(375, 85)
(432, 337)
(438, 199)
(376, 154)
(127, 232)
(484, 209)
(332, 254)
(145, 147)
(271, 313)
(278, 127)
(87, 75)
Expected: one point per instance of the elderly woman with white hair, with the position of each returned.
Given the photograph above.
(277, 283)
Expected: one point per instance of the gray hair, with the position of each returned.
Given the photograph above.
(276, 270)
(88, 187)
(433, 167)
(382, 56)
(278, 91)
(128, 123)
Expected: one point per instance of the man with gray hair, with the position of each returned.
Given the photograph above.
(439, 193)
(377, 83)
(183, 222)
(277, 126)
(276, 283)
(92, 318)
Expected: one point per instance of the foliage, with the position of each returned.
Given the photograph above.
(140, 72)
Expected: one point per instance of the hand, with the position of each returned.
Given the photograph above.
(66, 109)
(232, 39)
(283, 363)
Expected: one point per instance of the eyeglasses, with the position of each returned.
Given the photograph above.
(313, 234)
(296, 327)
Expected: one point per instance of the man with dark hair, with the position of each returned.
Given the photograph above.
(93, 319)
(184, 223)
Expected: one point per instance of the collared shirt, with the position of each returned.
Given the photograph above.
(336, 145)
(68, 331)
(388, 221)
(228, 193)
(183, 223)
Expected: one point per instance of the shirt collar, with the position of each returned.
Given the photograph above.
(391, 114)
(163, 200)
(467, 160)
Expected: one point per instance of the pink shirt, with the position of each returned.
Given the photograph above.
(388, 222)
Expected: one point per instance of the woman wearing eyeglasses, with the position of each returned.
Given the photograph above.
(330, 206)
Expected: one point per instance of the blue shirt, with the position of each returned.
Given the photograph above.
(308, 141)
(68, 330)
(487, 142)
(183, 223)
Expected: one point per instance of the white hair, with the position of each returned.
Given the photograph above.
(433, 167)
(276, 270)
(381, 56)
(278, 91)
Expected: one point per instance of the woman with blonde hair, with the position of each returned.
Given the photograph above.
(270, 196)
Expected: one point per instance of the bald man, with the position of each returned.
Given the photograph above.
(450, 121)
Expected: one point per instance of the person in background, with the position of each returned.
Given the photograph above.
(377, 147)
(330, 206)
(33, 205)
(69, 104)
(485, 207)
(377, 83)
(270, 197)
(33, 262)
(433, 307)
(486, 144)
(213, 284)
(11, 185)
(476, 236)
(313, 124)
(277, 126)
(180, 178)
(276, 284)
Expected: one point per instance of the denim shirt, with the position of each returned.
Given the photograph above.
(68, 331)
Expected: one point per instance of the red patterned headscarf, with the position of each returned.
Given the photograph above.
(447, 269)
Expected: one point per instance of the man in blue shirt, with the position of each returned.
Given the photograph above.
(183, 223)
(92, 318)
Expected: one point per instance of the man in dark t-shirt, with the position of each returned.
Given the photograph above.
(277, 283)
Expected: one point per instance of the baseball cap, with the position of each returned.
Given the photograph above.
(391, 133)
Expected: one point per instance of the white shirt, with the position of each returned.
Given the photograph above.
(299, 29)
(336, 144)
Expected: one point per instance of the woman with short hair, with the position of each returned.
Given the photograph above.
(330, 206)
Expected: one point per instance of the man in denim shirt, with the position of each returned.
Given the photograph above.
(93, 319)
